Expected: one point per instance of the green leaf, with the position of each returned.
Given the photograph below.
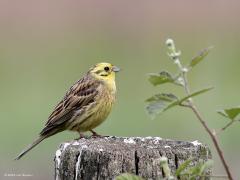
(195, 94)
(230, 113)
(199, 169)
(158, 102)
(197, 59)
(162, 102)
(182, 167)
(222, 113)
(160, 78)
(127, 176)
(162, 97)
(175, 103)
(208, 164)
(155, 108)
(165, 167)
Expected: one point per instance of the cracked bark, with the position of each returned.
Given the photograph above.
(136, 162)
(105, 158)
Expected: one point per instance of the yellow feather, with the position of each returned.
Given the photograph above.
(96, 113)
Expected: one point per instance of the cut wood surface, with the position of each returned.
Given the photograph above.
(106, 157)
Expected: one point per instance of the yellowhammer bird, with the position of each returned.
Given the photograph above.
(85, 106)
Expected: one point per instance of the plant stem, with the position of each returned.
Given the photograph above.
(227, 125)
(214, 139)
(210, 133)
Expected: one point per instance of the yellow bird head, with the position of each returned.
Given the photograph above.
(104, 71)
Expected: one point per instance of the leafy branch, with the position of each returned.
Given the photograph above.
(161, 102)
(232, 114)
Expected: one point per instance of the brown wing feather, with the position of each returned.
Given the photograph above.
(80, 95)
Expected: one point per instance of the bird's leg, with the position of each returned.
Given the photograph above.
(95, 134)
(80, 136)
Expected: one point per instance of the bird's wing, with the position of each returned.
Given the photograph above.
(79, 96)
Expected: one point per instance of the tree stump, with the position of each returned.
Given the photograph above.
(107, 157)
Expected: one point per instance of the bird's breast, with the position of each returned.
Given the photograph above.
(99, 111)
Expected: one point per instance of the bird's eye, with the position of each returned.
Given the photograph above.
(106, 68)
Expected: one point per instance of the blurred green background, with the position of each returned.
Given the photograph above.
(45, 46)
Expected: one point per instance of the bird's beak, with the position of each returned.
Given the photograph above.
(115, 69)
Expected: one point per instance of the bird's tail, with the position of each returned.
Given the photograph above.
(30, 146)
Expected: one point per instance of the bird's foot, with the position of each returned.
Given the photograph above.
(80, 136)
(96, 135)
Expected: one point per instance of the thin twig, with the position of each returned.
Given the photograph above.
(210, 133)
(215, 141)
(186, 86)
(227, 125)
(184, 105)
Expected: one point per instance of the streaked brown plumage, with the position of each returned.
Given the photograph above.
(86, 105)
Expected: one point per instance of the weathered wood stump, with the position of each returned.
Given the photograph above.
(107, 157)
